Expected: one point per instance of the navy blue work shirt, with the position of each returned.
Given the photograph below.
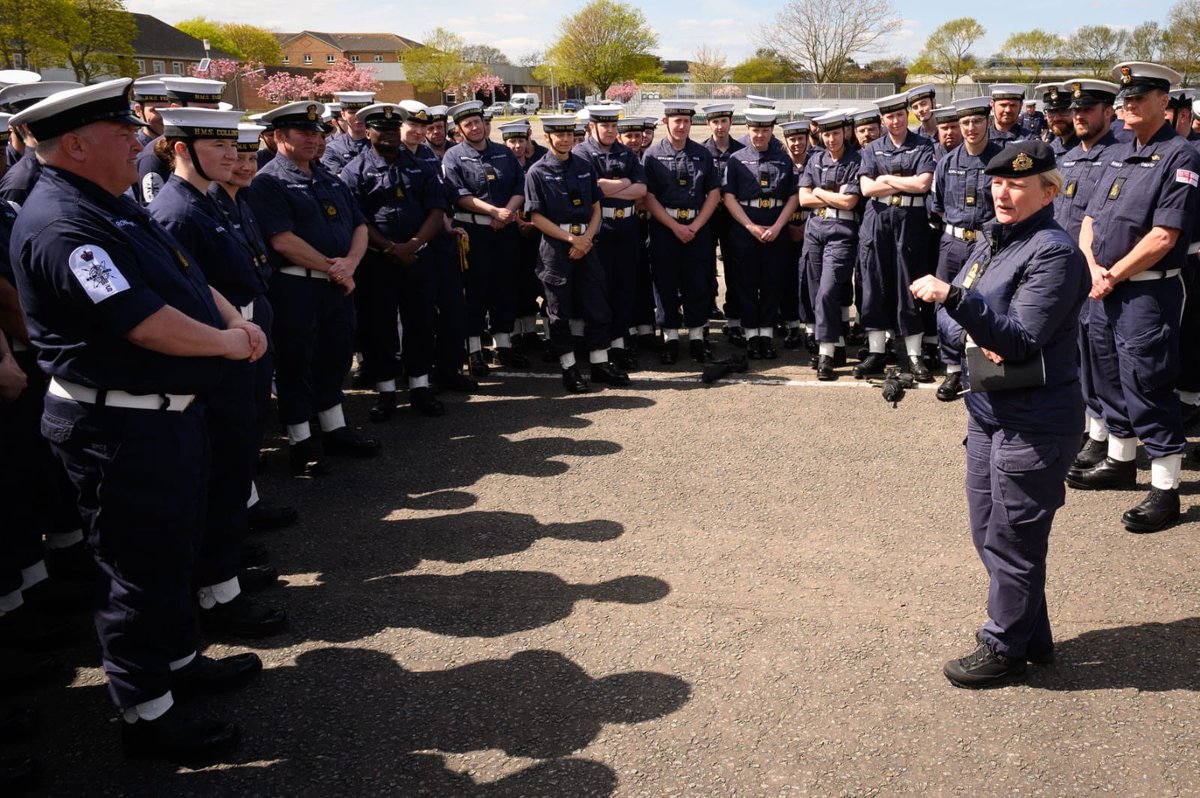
(340, 150)
(239, 218)
(397, 196)
(1061, 148)
(962, 193)
(721, 159)
(20, 179)
(492, 174)
(562, 191)
(619, 162)
(821, 171)
(1023, 286)
(90, 267)
(317, 207)
(679, 178)
(1081, 171)
(196, 222)
(913, 157)
(752, 175)
(1142, 188)
(1015, 133)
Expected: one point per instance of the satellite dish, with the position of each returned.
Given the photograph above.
(204, 62)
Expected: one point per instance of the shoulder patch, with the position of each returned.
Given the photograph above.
(1186, 176)
(152, 183)
(96, 273)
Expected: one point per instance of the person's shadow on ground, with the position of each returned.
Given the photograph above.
(1147, 656)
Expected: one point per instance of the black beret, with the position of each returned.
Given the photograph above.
(1022, 159)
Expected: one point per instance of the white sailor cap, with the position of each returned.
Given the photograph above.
(892, 103)
(629, 124)
(972, 106)
(582, 115)
(304, 114)
(758, 101)
(11, 77)
(797, 127)
(20, 96)
(679, 108)
(1139, 77)
(603, 113)
(813, 113)
(717, 110)
(649, 123)
(200, 123)
(559, 123)
(580, 129)
(194, 90)
(259, 119)
(248, 134)
(333, 108)
(1087, 91)
(463, 110)
(922, 92)
(761, 117)
(150, 90)
(353, 100)
(437, 113)
(388, 116)
(944, 114)
(830, 121)
(418, 112)
(519, 129)
(64, 111)
(1007, 91)
(868, 117)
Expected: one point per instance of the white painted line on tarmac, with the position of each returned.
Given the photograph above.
(771, 382)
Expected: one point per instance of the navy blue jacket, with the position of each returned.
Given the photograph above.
(1081, 171)
(396, 197)
(962, 193)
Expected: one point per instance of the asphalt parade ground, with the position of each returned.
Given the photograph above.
(744, 589)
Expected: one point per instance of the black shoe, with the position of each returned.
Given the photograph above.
(716, 313)
(74, 563)
(812, 344)
(178, 738)
(207, 676)
(1159, 510)
(455, 382)
(573, 381)
(253, 554)
(423, 401)
(623, 359)
(984, 668)
(384, 407)
(305, 459)
(699, 351)
(18, 774)
(871, 366)
(478, 366)
(915, 365)
(242, 617)
(951, 386)
(766, 348)
(1108, 474)
(608, 374)
(670, 352)
(1090, 454)
(754, 348)
(344, 441)
(264, 517)
(510, 358)
(19, 724)
(839, 357)
(649, 342)
(735, 336)
(56, 597)
(793, 339)
(825, 368)
(253, 578)
(856, 336)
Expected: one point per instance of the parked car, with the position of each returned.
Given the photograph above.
(571, 106)
(497, 109)
(525, 103)
(651, 95)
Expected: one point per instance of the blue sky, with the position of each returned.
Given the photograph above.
(682, 25)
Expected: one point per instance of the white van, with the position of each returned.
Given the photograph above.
(525, 103)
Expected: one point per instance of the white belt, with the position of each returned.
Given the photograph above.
(762, 202)
(1194, 247)
(575, 229)
(962, 233)
(20, 346)
(472, 218)
(1153, 275)
(903, 201)
(617, 213)
(300, 271)
(681, 214)
(834, 213)
(247, 312)
(174, 402)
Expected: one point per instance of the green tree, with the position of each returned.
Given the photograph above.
(1030, 50)
(438, 65)
(820, 37)
(1147, 42)
(1098, 47)
(708, 64)
(1182, 45)
(764, 66)
(604, 43)
(203, 28)
(95, 38)
(484, 54)
(947, 52)
(244, 42)
(25, 40)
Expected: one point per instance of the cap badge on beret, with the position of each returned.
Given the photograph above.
(1022, 163)
(1077, 89)
(312, 113)
(1126, 75)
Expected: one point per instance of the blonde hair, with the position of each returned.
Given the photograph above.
(1052, 177)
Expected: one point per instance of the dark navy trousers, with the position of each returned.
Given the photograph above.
(385, 288)
(1014, 486)
(894, 251)
(829, 255)
(759, 277)
(952, 255)
(723, 225)
(619, 250)
(680, 274)
(574, 289)
(492, 278)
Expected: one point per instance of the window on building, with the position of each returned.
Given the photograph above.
(285, 59)
(177, 67)
(354, 59)
(329, 59)
(308, 58)
(140, 65)
(159, 67)
(378, 59)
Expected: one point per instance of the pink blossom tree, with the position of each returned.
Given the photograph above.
(284, 87)
(346, 76)
(621, 92)
(728, 90)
